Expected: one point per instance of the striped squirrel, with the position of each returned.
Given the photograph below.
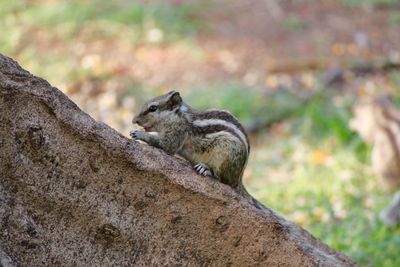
(378, 123)
(212, 140)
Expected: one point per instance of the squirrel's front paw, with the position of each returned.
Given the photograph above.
(136, 134)
(202, 169)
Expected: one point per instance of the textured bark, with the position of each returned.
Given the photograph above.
(74, 192)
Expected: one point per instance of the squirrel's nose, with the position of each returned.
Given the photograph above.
(135, 120)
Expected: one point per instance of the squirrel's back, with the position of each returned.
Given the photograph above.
(219, 141)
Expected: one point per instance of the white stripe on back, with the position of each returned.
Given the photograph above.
(208, 122)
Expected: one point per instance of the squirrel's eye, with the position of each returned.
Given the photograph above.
(153, 108)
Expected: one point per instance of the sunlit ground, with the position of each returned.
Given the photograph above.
(305, 163)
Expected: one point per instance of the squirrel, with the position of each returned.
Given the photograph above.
(212, 140)
(378, 123)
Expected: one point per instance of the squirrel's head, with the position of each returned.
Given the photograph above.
(156, 110)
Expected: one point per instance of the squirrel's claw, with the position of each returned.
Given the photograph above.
(134, 134)
(202, 169)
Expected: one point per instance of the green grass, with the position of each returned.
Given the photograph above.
(394, 18)
(233, 97)
(294, 23)
(326, 116)
(139, 17)
(248, 104)
(374, 3)
(67, 20)
(53, 38)
(336, 201)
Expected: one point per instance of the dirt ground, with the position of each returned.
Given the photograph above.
(248, 41)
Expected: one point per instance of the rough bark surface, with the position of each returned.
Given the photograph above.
(74, 192)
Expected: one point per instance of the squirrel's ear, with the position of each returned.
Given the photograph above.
(171, 92)
(174, 98)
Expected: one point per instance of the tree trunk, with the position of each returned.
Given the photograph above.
(74, 192)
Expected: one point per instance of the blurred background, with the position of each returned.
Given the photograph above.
(290, 70)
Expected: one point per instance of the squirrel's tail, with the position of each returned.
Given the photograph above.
(242, 190)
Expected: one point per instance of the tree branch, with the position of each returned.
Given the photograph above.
(74, 192)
